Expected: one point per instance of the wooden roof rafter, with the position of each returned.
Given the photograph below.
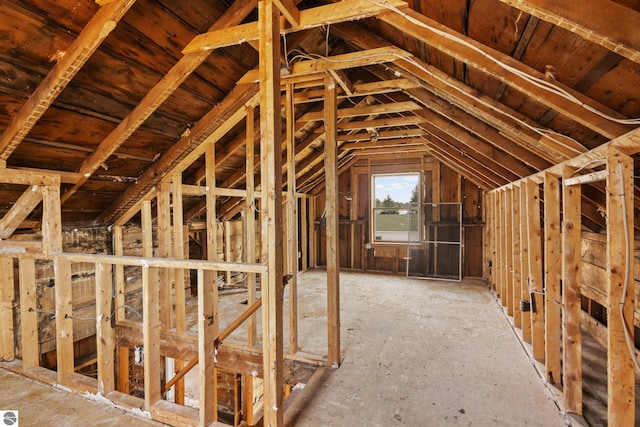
(156, 96)
(211, 127)
(78, 53)
(503, 67)
(507, 122)
(616, 26)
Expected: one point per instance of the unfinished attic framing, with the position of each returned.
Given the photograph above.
(156, 156)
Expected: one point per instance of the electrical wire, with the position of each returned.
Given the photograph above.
(542, 84)
(627, 263)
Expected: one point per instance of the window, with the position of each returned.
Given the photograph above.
(395, 201)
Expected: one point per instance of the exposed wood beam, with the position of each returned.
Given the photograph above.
(461, 169)
(571, 276)
(390, 134)
(345, 61)
(213, 125)
(271, 212)
(552, 276)
(230, 357)
(512, 124)
(78, 53)
(332, 233)
(620, 290)
(476, 55)
(33, 176)
(501, 163)
(345, 10)
(359, 89)
(156, 96)
(472, 167)
(437, 109)
(393, 107)
(604, 22)
(480, 153)
(289, 10)
(384, 122)
(25, 204)
(389, 143)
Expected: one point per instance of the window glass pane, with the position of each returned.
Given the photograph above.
(395, 213)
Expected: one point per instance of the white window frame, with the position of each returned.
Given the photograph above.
(412, 238)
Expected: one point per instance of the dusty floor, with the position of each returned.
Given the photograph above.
(39, 404)
(415, 353)
(424, 353)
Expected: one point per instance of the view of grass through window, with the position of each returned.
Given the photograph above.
(395, 213)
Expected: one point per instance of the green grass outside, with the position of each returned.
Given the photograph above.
(396, 222)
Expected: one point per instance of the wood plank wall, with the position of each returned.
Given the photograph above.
(443, 185)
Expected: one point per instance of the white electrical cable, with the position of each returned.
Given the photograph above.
(543, 84)
(627, 262)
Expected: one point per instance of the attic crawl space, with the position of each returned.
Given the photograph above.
(156, 155)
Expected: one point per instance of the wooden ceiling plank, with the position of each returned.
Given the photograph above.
(89, 39)
(475, 54)
(394, 107)
(156, 96)
(603, 22)
(344, 10)
(25, 204)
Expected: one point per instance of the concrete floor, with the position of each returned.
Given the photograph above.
(423, 353)
(415, 353)
(39, 404)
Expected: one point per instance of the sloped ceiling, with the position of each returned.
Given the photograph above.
(115, 95)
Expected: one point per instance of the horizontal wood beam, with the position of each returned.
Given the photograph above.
(345, 61)
(388, 143)
(358, 89)
(161, 262)
(230, 357)
(345, 10)
(393, 107)
(389, 134)
(385, 122)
